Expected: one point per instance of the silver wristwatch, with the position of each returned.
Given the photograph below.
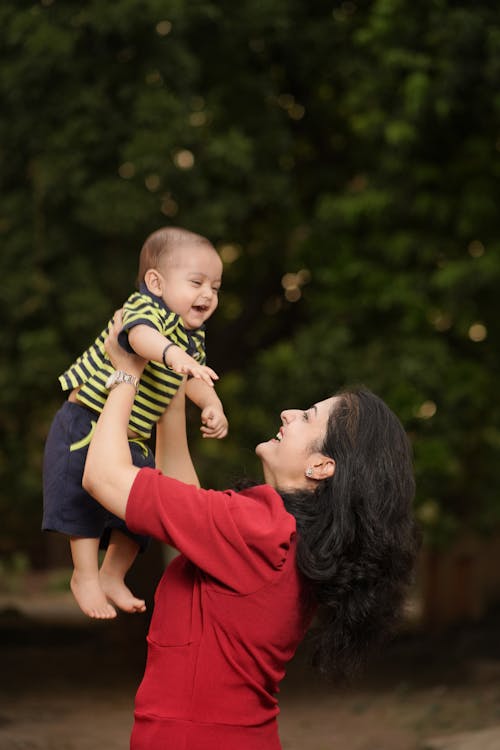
(120, 376)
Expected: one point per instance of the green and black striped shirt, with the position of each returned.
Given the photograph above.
(158, 384)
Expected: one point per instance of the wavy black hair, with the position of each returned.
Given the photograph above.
(357, 537)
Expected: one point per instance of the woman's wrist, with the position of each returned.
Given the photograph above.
(123, 376)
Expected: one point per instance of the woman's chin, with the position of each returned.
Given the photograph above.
(261, 447)
(258, 449)
(266, 451)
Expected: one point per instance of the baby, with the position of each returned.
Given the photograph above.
(179, 279)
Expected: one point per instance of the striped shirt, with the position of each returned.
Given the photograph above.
(158, 384)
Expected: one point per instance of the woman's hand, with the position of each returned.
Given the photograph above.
(120, 359)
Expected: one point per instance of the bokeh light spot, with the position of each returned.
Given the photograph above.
(126, 170)
(476, 249)
(229, 253)
(426, 410)
(163, 28)
(152, 182)
(477, 332)
(184, 159)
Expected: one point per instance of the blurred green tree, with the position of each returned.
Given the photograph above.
(344, 157)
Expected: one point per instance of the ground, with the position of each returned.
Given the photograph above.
(68, 684)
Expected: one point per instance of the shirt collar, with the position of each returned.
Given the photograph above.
(159, 301)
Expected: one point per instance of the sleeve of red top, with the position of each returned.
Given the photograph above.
(239, 538)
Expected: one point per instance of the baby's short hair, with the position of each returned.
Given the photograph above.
(164, 241)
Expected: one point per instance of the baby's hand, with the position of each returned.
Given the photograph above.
(213, 422)
(180, 361)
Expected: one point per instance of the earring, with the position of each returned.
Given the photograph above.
(309, 472)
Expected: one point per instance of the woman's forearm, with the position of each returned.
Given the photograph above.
(109, 471)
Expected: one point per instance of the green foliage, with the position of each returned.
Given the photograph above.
(12, 572)
(345, 158)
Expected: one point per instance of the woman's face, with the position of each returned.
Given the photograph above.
(286, 458)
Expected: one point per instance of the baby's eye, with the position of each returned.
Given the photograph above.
(196, 283)
(216, 289)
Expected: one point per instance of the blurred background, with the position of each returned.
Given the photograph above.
(344, 158)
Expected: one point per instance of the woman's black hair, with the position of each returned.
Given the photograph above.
(357, 538)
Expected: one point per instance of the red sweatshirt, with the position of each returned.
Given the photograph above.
(228, 616)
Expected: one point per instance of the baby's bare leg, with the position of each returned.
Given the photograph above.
(85, 583)
(121, 553)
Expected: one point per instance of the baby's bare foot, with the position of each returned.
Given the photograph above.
(116, 590)
(91, 598)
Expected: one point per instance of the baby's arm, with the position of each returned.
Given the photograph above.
(172, 454)
(150, 344)
(213, 420)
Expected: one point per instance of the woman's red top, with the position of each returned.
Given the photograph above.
(229, 614)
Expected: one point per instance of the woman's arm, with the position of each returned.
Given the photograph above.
(172, 450)
(109, 472)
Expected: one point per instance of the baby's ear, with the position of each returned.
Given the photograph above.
(152, 279)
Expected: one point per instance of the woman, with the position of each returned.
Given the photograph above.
(331, 533)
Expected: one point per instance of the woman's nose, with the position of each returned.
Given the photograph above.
(288, 415)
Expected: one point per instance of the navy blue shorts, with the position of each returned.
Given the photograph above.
(67, 507)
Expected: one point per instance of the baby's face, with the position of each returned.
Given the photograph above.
(190, 283)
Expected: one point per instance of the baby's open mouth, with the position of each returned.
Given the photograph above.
(200, 308)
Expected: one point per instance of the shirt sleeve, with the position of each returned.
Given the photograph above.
(241, 539)
(140, 310)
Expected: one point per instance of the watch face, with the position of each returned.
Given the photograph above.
(121, 377)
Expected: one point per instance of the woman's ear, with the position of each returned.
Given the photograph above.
(152, 279)
(320, 467)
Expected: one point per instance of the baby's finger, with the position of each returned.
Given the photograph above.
(206, 431)
(202, 376)
(212, 373)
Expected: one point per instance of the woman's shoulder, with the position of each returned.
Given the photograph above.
(260, 514)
